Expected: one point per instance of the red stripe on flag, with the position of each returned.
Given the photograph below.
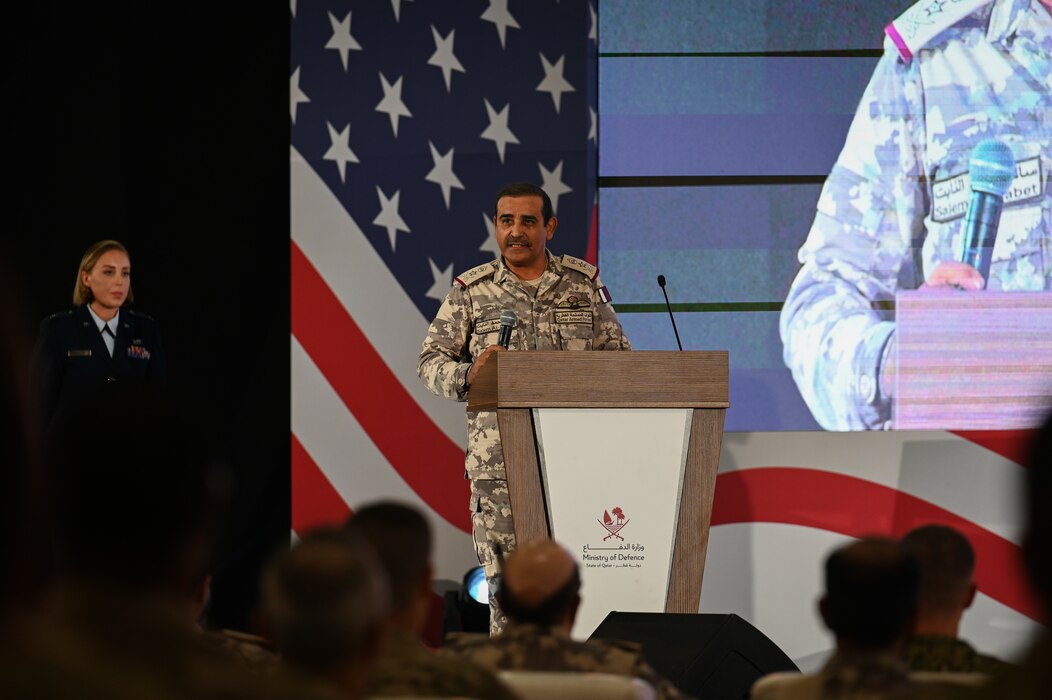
(591, 253)
(1013, 445)
(856, 507)
(315, 502)
(410, 441)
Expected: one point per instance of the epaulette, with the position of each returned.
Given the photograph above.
(466, 279)
(587, 269)
(140, 314)
(916, 27)
(60, 314)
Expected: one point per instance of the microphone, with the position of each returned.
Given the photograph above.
(508, 319)
(991, 170)
(661, 283)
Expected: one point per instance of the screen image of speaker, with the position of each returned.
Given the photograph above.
(708, 656)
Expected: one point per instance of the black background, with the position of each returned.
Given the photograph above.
(166, 127)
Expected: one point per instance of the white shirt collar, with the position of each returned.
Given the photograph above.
(99, 323)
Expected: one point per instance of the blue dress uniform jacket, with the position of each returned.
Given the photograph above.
(74, 366)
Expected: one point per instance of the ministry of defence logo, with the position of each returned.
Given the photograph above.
(614, 524)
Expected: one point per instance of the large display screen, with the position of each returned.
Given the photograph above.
(804, 181)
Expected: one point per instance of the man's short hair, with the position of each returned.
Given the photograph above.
(401, 539)
(871, 592)
(526, 189)
(324, 601)
(545, 613)
(947, 562)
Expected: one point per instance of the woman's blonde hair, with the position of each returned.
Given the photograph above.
(81, 293)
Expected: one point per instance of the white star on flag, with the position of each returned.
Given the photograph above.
(443, 56)
(592, 31)
(392, 103)
(341, 39)
(553, 183)
(593, 122)
(498, 13)
(389, 217)
(292, 6)
(490, 244)
(396, 5)
(553, 80)
(295, 94)
(443, 281)
(339, 151)
(498, 131)
(442, 172)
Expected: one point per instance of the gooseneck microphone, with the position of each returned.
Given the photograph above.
(508, 319)
(661, 283)
(991, 170)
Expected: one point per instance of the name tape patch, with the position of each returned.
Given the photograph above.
(950, 197)
(490, 326)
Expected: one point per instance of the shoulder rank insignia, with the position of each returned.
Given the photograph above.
(925, 20)
(588, 270)
(466, 279)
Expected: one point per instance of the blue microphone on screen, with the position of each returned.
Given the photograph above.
(991, 170)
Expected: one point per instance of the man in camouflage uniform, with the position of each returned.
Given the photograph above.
(947, 563)
(560, 304)
(540, 593)
(401, 539)
(869, 601)
(954, 72)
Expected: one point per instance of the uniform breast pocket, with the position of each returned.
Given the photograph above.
(1020, 260)
(574, 336)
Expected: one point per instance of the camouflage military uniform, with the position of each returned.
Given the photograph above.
(565, 311)
(900, 184)
(533, 648)
(925, 653)
(406, 667)
(859, 676)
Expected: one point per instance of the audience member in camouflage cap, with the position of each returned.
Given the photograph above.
(891, 214)
(947, 563)
(401, 538)
(559, 303)
(540, 593)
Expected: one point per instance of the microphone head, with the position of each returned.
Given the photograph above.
(508, 318)
(992, 167)
(661, 281)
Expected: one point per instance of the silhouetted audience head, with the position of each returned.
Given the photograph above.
(1037, 538)
(401, 539)
(540, 585)
(947, 564)
(324, 601)
(870, 594)
(135, 508)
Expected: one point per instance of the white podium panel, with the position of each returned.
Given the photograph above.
(622, 525)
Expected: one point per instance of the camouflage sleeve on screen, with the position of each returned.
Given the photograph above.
(837, 318)
(444, 360)
(610, 335)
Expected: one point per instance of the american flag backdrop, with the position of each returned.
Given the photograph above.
(406, 117)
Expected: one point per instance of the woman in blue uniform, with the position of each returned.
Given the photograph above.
(99, 345)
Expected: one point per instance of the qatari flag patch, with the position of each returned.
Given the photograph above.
(604, 294)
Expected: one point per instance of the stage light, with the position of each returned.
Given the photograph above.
(476, 586)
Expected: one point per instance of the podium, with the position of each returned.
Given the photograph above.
(972, 360)
(613, 454)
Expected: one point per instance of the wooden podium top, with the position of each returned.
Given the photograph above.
(601, 379)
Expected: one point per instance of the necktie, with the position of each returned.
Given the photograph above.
(106, 329)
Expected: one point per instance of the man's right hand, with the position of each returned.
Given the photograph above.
(950, 273)
(481, 360)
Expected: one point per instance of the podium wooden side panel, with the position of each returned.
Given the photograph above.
(695, 511)
(525, 485)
